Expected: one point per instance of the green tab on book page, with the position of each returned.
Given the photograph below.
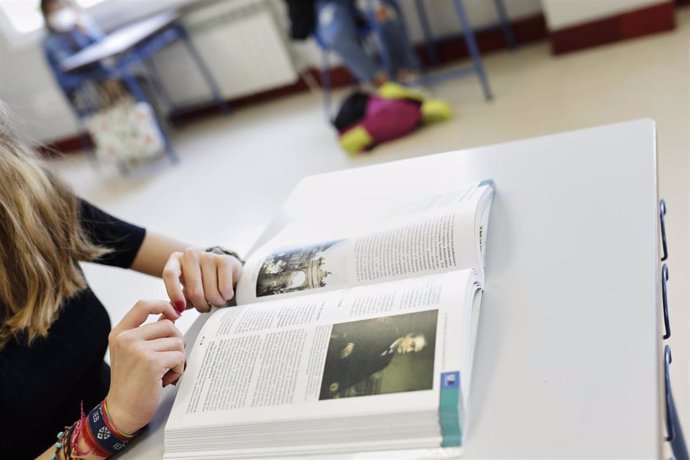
(449, 409)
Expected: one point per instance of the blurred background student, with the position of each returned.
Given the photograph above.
(70, 30)
(341, 26)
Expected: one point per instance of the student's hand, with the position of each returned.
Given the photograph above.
(207, 279)
(143, 359)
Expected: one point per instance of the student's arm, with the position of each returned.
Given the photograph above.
(145, 357)
(192, 276)
(154, 252)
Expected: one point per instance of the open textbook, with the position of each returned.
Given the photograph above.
(354, 332)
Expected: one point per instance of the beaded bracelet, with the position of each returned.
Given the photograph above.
(68, 441)
(63, 442)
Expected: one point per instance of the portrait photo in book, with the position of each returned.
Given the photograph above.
(297, 268)
(390, 354)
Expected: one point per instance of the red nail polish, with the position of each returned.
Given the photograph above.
(179, 306)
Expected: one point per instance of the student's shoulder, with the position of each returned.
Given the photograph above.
(52, 42)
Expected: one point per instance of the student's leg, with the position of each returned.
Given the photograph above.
(390, 23)
(336, 29)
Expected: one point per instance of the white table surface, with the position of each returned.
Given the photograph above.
(119, 41)
(568, 358)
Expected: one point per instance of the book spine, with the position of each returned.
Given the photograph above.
(449, 409)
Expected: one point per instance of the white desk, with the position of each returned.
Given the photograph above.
(568, 357)
(120, 41)
(126, 46)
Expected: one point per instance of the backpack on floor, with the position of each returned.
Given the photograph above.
(365, 120)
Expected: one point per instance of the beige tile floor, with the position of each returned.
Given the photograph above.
(258, 154)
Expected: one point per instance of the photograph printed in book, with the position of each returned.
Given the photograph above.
(389, 354)
(295, 269)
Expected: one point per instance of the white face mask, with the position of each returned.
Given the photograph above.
(63, 20)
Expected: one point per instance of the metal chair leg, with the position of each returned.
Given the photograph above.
(205, 72)
(87, 144)
(504, 21)
(403, 24)
(157, 82)
(326, 83)
(139, 94)
(473, 49)
(429, 40)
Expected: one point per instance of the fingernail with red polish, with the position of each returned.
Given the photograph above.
(179, 306)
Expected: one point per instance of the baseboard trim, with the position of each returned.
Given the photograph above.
(526, 30)
(71, 144)
(632, 24)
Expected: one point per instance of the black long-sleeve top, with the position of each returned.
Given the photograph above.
(42, 386)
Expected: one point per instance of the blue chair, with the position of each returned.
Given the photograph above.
(430, 41)
(477, 66)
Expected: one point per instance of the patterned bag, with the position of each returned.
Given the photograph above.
(126, 132)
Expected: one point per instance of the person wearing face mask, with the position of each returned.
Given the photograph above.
(69, 32)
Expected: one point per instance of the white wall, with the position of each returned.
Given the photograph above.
(27, 84)
(566, 13)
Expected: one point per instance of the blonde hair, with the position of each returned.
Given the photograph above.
(41, 241)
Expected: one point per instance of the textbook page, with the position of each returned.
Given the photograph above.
(298, 358)
(372, 190)
(432, 234)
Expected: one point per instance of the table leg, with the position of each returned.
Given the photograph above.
(473, 48)
(205, 72)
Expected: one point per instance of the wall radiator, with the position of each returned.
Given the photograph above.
(241, 43)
